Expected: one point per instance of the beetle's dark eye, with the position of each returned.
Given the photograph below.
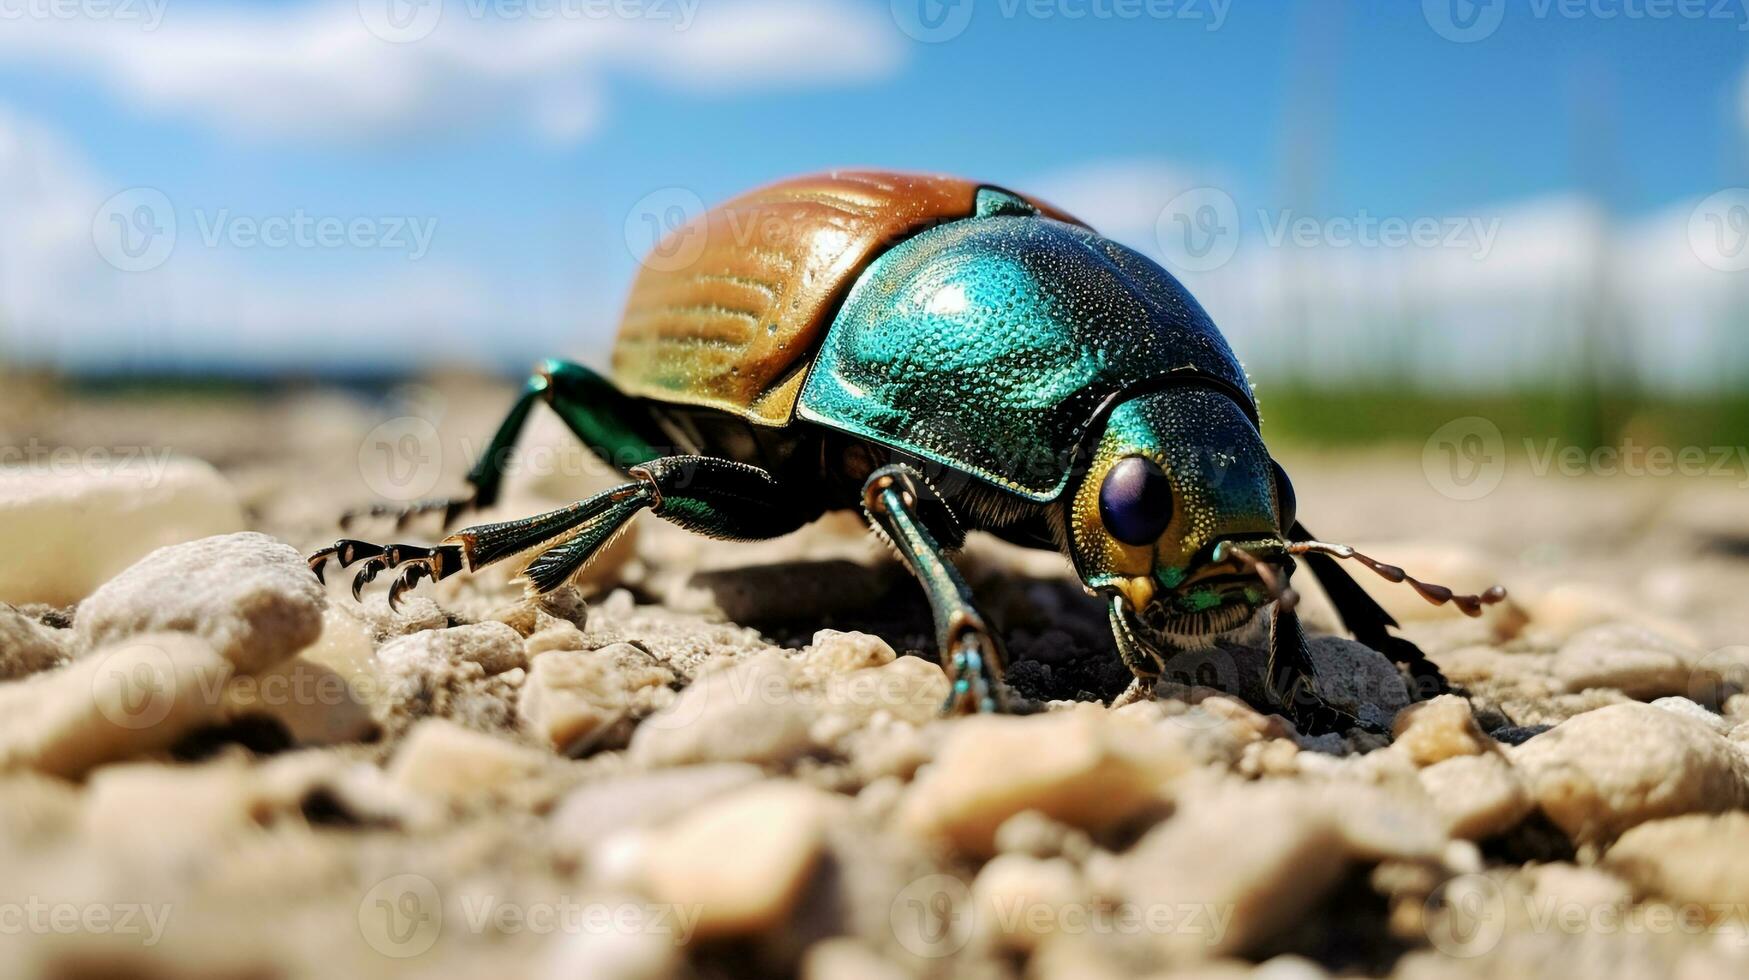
(1285, 504)
(1135, 501)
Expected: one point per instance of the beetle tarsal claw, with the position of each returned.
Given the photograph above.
(409, 578)
(346, 551)
(421, 563)
(1439, 595)
(366, 575)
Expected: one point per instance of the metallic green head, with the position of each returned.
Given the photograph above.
(1177, 482)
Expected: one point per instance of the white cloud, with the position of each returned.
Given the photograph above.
(303, 72)
(62, 303)
(1516, 307)
(1121, 198)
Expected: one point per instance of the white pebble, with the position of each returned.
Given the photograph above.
(67, 530)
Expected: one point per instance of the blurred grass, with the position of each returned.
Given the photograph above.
(1296, 412)
(1361, 414)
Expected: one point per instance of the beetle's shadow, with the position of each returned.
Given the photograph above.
(1057, 638)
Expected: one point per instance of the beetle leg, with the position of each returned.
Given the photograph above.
(893, 496)
(404, 513)
(1292, 683)
(1139, 656)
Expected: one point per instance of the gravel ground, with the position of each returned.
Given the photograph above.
(724, 759)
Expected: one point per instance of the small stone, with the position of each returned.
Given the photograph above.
(1353, 676)
(570, 698)
(556, 635)
(34, 809)
(1700, 859)
(416, 614)
(444, 759)
(26, 647)
(1478, 796)
(746, 710)
(1086, 767)
(137, 696)
(1248, 892)
(1631, 659)
(68, 532)
(1605, 771)
(645, 947)
(597, 810)
(1438, 729)
(1020, 901)
(1571, 608)
(179, 808)
(741, 860)
(843, 958)
(1688, 709)
(495, 647)
(910, 689)
(833, 652)
(251, 597)
(315, 704)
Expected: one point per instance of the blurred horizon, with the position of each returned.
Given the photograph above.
(1436, 196)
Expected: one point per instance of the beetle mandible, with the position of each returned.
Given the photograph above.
(946, 356)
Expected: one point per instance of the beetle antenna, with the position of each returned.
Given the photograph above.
(1439, 595)
(1269, 573)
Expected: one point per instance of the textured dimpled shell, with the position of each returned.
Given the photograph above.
(728, 310)
(987, 345)
(1221, 477)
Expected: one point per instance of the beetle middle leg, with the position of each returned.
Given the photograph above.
(895, 498)
(716, 497)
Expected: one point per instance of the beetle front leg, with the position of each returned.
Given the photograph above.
(893, 497)
(1292, 682)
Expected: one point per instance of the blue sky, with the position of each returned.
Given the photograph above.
(527, 143)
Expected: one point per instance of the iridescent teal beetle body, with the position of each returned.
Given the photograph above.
(989, 344)
(946, 356)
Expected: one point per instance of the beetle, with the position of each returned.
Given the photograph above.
(944, 355)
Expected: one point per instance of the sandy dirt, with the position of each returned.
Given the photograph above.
(670, 769)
